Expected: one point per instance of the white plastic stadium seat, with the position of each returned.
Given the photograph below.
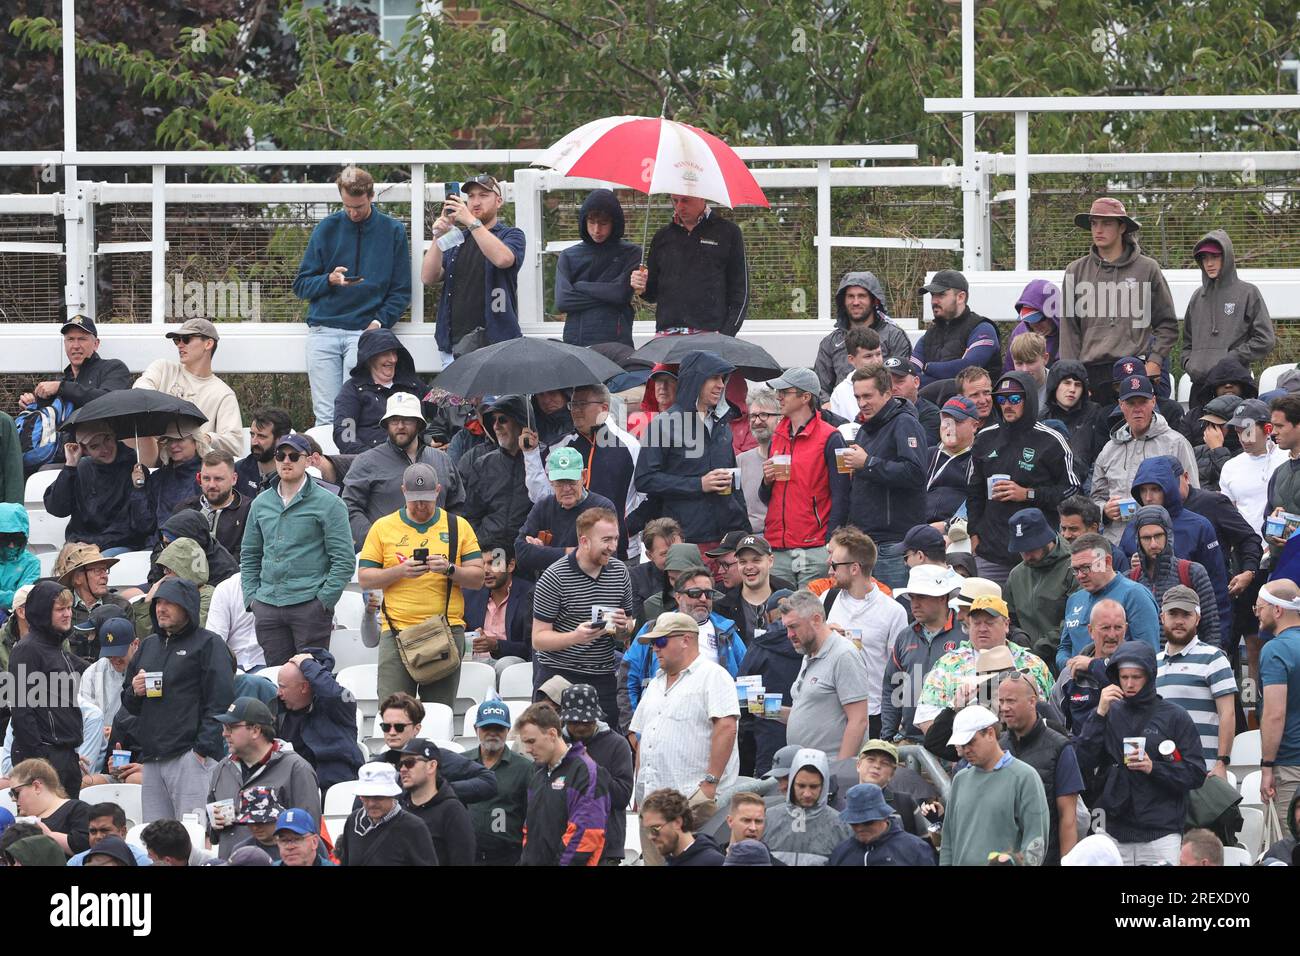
(348, 650)
(451, 745)
(437, 725)
(339, 798)
(125, 795)
(1250, 794)
(1184, 388)
(34, 490)
(1268, 378)
(46, 528)
(348, 612)
(131, 570)
(1245, 749)
(517, 681)
(324, 435)
(477, 680)
(47, 562)
(1251, 835)
(1235, 856)
(363, 681)
(7, 802)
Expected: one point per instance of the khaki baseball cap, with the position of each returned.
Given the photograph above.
(670, 622)
(196, 327)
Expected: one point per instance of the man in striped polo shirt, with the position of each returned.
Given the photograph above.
(1197, 677)
(582, 612)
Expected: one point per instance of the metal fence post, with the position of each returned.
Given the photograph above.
(417, 241)
(528, 217)
(158, 247)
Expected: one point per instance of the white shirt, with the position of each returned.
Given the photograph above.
(1244, 479)
(874, 620)
(843, 401)
(676, 728)
(234, 625)
(708, 642)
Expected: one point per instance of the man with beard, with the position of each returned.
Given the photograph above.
(746, 603)
(550, 531)
(804, 830)
(580, 714)
(1038, 587)
(958, 338)
(499, 821)
(1197, 676)
(1018, 462)
(49, 729)
(670, 829)
(764, 413)
(268, 426)
(496, 486)
(220, 503)
(373, 485)
(859, 304)
(1159, 570)
(426, 795)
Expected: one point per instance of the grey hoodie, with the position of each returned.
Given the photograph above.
(1112, 475)
(1162, 574)
(1225, 316)
(373, 486)
(1098, 324)
(799, 837)
(832, 364)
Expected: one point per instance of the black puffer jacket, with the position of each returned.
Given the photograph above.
(497, 502)
(41, 653)
(1086, 422)
(360, 402)
(1035, 455)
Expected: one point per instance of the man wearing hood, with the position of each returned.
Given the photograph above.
(859, 303)
(887, 458)
(1144, 434)
(96, 489)
(49, 728)
(1147, 754)
(1038, 587)
(355, 275)
(496, 486)
(174, 480)
(373, 486)
(1225, 316)
(958, 338)
(179, 679)
(878, 835)
(1229, 376)
(804, 830)
(18, 566)
(1160, 570)
(697, 274)
(183, 558)
(1017, 462)
(1116, 300)
(1084, 419)
(384, 368)
(1039, 308)
(1157, 482)
(592, 286)
(582, 718)
(688, 461)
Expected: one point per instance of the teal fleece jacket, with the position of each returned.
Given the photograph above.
(375, 249)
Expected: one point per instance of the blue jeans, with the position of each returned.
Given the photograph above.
(113, 552)
(891, 567)
(331, 354)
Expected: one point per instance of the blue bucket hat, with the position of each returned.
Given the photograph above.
(865, 803)
(1029, 531)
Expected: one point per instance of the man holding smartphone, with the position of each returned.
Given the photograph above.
(408, 555)
(355, 275)
(480, 274)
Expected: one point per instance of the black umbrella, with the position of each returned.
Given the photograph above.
(525, 366)
(137, 412)
(752, 361)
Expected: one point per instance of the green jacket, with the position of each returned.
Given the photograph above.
(499, 822)
(1036, 595)
(185, 558)
(293, 554)
(12, 483)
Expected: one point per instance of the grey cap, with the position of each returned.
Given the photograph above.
(420, 482)
(804, 379)
(781, 762)
(946, 279)
(1181, 598)
(1250, 412)
(196, 327)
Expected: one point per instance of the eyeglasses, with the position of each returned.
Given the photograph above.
(288, 456)
(498, 419)
(233, 726)
(1009, 399)
(15, 791)
(696, 593)
(406, 763)
(574, 406)
(763, 415)
(394, 728)
(292, 839)
(654, 831)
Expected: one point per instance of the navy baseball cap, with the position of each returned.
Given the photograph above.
(1029, 531)
(115, 637)
(296, 820)
(924, 538)
(1134, 386)
(86, 324)
(960, 407)
(492, 713)
(296, 442)
(1126, 366)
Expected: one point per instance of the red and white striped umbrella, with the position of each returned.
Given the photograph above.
(655, 155)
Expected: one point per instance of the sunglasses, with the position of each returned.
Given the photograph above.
(654, 831)
(394, 728)
(660, 642)
(15, 791)
(498, 419)
(696, 593)
(406, 763)
(1010, 399)
(288, 456)
(186, 339)
(833, 565)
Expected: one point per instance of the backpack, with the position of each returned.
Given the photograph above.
(38, 431)
(1184, 573)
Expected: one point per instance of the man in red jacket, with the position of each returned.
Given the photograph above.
(807, 497)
